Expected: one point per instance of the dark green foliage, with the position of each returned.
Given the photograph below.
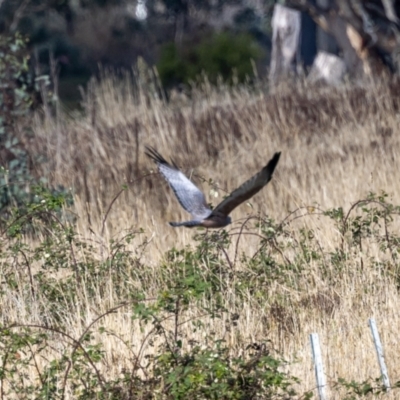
(15, 103)
(366, 389)
(18, 187)
(211, 373)
(197, 287)
(176, 368)
(224, 55)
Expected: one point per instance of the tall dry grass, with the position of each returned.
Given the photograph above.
(338, 144)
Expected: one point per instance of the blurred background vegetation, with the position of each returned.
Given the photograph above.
(182, 38)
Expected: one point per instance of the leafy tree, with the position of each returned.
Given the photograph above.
(225, 55)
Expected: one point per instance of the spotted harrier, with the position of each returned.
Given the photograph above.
(193, 201)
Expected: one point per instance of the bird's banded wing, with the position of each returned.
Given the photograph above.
(188, 194)
(248, 188)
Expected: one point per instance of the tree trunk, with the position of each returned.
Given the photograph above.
(366, 31)
(286, 25)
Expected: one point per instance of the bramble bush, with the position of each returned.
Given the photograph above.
(196, 287)
(194, 279)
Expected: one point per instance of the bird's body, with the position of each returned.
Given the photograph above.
(192, 199)
(213, 221)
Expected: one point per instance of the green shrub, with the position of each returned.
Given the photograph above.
(224, 55)
(18, 90)
(194, 285)
(15, 102)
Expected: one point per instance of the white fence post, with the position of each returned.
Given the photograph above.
(380, 354)
(319, 368)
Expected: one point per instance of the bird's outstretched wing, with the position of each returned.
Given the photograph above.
(188, 194)
(248, 188)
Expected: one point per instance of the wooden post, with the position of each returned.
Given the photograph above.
(319, 368)
(379, 353)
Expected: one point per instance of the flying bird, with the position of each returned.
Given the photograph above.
(192, 198)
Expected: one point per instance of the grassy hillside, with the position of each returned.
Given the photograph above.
(112, 285)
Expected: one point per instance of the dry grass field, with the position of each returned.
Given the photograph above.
(338, 145)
